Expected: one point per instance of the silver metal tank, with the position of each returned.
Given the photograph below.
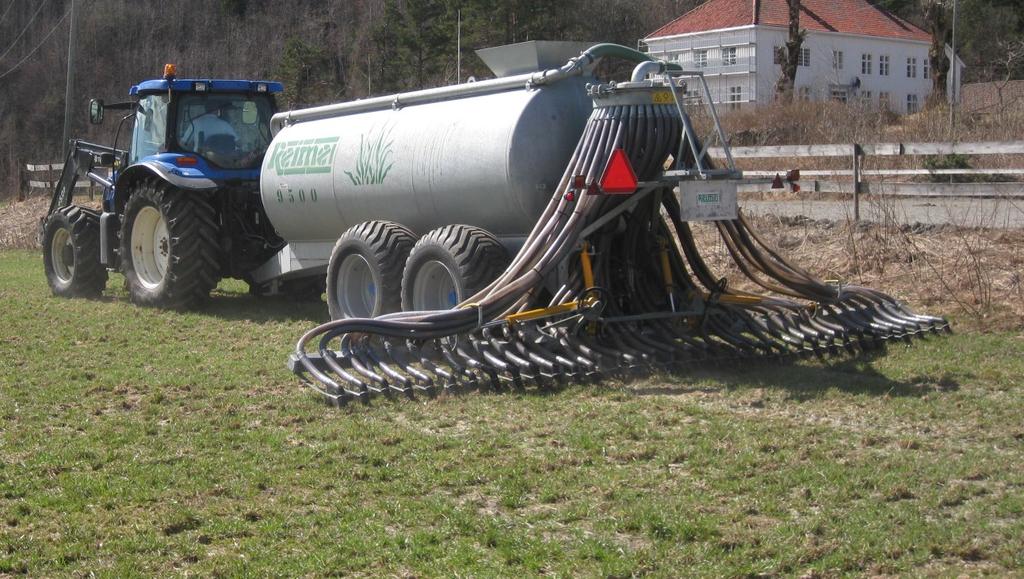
(489, 158)
(490, 161)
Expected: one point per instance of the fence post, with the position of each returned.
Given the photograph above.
(857, 152)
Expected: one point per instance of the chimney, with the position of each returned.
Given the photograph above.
(757, 11)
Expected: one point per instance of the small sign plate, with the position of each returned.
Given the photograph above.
(707, 200)
(662, 97)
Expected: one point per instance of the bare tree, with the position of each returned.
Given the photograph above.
(936, 14)
(791, 53)
(1013, 55)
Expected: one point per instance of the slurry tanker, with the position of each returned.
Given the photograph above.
(521, 230)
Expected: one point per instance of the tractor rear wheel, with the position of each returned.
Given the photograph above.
(169, 250)
(71, 253)
(364, 276)
(449, 265)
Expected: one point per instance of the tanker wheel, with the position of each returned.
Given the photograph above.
(364, 276)
(71, 253)
(449, 265)
(169, 250)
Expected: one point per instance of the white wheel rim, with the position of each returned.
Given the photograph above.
(62, 255)
(434, 288)
(356, 289)
(151, 247)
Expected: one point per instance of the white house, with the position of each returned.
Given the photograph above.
(852, 50)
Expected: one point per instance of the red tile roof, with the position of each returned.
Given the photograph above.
(846, 16)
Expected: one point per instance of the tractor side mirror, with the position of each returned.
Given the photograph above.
(96, 111)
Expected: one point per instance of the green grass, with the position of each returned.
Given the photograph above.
(142, 442)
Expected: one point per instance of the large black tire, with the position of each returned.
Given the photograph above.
(364, 276)
(169, 250)
(449, 265)
(71, 253)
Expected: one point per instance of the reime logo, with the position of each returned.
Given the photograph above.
(709, 198)
(304, 157)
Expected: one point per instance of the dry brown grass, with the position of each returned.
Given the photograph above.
(972, 274)
(19, 222)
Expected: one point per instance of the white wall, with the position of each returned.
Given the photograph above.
(756, 73)
(820, 75)
(719, 75)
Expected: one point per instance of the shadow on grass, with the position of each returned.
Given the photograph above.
(805, 380)
(232, 301)
(242, 306)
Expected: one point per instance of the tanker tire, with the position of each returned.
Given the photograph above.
(449, 265)
(364, 275)
(169, 251)
(71, 253)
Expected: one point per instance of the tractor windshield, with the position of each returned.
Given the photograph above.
(231, 131)
(150, 123)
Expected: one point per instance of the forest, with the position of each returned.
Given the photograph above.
(335, 50)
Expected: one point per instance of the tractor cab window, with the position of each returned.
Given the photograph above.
(149, 135)
(231, 131)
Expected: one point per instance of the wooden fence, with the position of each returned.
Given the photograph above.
(857, 185)
(43, 178)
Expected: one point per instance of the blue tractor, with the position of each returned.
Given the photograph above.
(181, 205)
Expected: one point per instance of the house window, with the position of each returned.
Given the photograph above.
(865, 95)
(883, 100)
(865, 64)
(729, 56)
(911, 67)
(804, 93)
(735, 96)
(804, 59)
(883, 65)
(912, 106)
(839, 94)
(837, 60)
(926, 65)
(700, 58)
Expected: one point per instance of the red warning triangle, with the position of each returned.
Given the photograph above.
(618, 174)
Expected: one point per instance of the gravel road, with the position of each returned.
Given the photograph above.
(989, 213)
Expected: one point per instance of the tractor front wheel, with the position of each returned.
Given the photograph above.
(169, 250)
(71, 253)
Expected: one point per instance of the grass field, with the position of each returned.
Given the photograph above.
(141, 442)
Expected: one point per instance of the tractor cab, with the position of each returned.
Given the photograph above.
(196, 133)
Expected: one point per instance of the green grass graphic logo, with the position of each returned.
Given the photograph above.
(374, 160)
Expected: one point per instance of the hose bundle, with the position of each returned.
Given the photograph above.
(642, 298)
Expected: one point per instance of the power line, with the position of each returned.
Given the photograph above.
(9, 6)
(27, 26)
(41, 43)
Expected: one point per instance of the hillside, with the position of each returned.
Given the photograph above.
(324, 50)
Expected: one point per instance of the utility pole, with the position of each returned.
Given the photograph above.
(458, 49)
(69, 84)
(954, 92)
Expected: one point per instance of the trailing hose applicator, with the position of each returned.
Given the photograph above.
(610, 281)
